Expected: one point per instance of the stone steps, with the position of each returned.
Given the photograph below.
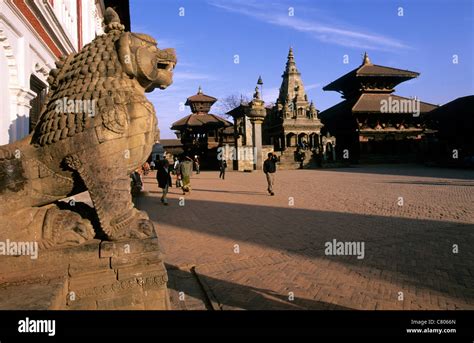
(287, 160)
(288, 166)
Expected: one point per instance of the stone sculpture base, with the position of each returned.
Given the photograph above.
(120, 275)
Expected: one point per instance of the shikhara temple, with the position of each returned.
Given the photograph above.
(291, 127)
(370, 124)
(293, 119)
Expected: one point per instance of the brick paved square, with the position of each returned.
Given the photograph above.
(281, 263)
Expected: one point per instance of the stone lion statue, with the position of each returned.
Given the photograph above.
(95, 128)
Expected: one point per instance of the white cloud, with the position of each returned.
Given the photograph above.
(338, 35)
(312, 86)
(189, 76)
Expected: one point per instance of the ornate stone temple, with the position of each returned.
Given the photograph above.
(68, 255)
(372, 123)
(293, 122)
(293, 119)
(290, 127)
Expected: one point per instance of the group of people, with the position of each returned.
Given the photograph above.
(182, 170)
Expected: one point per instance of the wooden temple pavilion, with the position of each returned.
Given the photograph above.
(201, 132)
(371, 123)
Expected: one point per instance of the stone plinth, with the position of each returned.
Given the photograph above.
(121, 275)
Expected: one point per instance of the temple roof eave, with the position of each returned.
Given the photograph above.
(195, 120)
(359, 106)
(238, 111)
(355, 76)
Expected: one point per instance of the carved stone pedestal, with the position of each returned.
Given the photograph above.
(120, 275)
(126, 275)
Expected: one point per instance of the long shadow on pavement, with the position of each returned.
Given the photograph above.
(239, 296)
(404, 250)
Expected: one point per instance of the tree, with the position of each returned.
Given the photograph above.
(230, 102)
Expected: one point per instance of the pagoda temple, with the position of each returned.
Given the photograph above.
(201, 132)
(371, 123)
(293, 120)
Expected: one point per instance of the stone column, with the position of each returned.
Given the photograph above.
(257, 143)
(256, 115)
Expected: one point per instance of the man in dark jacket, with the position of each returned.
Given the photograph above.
(222, 168)
(163, 175)
(269, 168)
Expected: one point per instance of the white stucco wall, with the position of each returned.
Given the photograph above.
(23, 53)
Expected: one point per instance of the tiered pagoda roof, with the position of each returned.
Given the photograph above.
(200, 117)
(364, 90)
(200, 120)
(370, 77)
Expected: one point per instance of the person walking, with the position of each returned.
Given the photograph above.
(269, 168)
(185, 171)
(176, 163)
(222, 168)
(176, 172)
(163, 176)
(196, 161)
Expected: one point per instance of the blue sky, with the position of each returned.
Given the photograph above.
(212, 32)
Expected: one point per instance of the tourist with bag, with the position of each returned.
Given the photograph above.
(185, 171)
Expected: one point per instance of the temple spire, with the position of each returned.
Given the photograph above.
(292, 89)
(290, 63)
(199, 90)
(290, 53)
(366, 60)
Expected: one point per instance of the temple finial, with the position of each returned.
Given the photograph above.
(199, 90)
(366, 60)
(290, 53)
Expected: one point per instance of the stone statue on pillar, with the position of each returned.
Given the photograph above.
(256, 114)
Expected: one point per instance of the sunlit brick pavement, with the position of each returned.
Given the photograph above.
(253, 251)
